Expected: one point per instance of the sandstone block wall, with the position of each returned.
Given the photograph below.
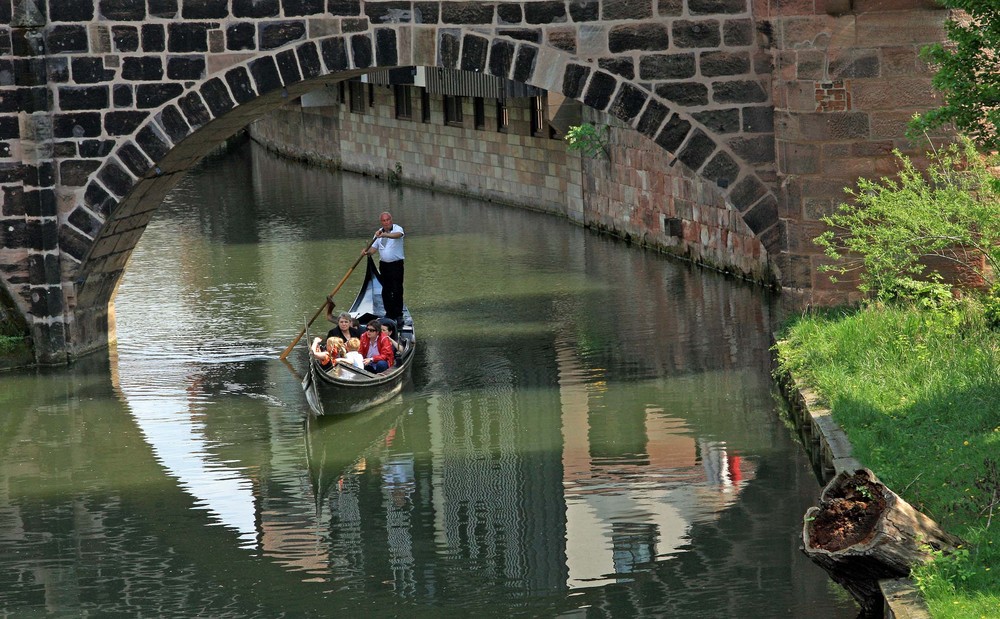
(639, 193)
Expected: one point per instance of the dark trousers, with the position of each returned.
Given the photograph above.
(392, 288)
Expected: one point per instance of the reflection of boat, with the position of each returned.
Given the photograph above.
(346, 389)
(339, 446)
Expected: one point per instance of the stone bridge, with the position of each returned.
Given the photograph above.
(104, 104)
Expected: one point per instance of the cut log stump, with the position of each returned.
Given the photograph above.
(863, 532)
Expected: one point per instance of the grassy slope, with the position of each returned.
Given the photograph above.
(918, 393)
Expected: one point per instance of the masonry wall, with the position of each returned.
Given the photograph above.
(511, 167)
(847, 79)
(642, 193)
(639, 193)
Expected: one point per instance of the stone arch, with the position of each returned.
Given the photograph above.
(121, 196)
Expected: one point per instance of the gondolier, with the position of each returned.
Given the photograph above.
(389, 245)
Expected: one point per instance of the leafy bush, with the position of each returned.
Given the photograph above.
(589, 140)
(951, 212)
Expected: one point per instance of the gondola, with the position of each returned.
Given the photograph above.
(345, 389)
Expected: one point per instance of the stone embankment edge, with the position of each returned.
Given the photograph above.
(902, 598)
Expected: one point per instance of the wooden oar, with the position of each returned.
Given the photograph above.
(298, 337)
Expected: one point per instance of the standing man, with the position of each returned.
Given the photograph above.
(389, 245)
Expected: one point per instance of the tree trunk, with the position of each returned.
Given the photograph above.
(863, 532)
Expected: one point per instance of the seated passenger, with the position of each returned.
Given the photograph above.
(353, 356)
(327, 355)
(345, 328)
(377, 348)
(389, 328)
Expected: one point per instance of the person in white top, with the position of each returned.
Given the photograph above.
(353, 356)
(389, 245)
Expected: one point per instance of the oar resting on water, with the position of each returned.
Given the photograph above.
(329, 300)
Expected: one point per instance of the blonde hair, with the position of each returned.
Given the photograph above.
(335, 346)
(353, 344)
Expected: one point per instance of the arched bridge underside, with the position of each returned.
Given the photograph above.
(114, 100)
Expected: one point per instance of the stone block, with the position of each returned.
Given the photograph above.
(509, 13)
(275, 34)
(302, 8)
(626, 9)
(524, 63)
(185, 67)
(115, 178)
(240, 36)
(629, 102)
(915, 93)
(684, 93)
(922, 27)
(83, 97)
(142, 68)
(853, 63)
(667, 66)
(810, 64)
(574, 79)
(719, 63)
(334, 51)
(265, 73)
(154, 95)
(449, 48)
(173, 123)
(183, 37)
(153, 143)
(122, 10)
(754, 149)
(75, 172)
(153, 37)
(799, 158)
(673, 133)
(288, 67)
(501, 58)
(703, 33)
(65, 39)
(720, 121)
(251, 9)
(544, 12)
(96, 148)
(737, 32)
(738, 91)
(563, 39)
(216, 97)
(70, 11)
(240, 85)
(622, 65)
(90, 70)
(722, 169)
(647, 37)
(125, 38)
(474, 51)
(123, 95)
(651, 119)
(712, 7)
(467, 13)
(123, 122)
(166, 9)
(602, 86)
(308, 58)
(344, 7)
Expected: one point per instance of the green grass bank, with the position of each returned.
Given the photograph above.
(918, 393)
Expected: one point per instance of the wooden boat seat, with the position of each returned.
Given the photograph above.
(347, 364)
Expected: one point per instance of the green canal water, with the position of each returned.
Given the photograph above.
(589, 430)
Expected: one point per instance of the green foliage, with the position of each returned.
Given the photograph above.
(951, 212)
(991, 310)
(968, 74)
(9, 344)
(396, 174)
(590, 140)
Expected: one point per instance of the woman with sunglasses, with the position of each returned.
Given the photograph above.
(377, 348)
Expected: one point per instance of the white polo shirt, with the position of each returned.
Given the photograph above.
(390, 250)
